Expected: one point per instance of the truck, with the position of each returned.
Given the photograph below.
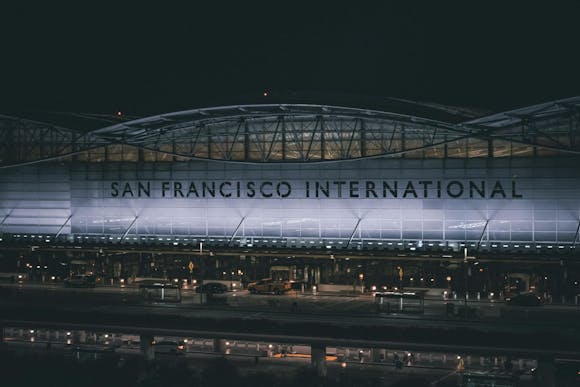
(268, 285)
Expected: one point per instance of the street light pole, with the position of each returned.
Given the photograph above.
(202, 272)
(466, 274)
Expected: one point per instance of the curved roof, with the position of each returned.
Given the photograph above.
(299, 133)
(282, 132)
(535, 113)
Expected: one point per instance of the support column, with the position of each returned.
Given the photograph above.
(378, 355)
(219, 346)
(318, 358)
(80, 337)
(146, 344)
(546, 373)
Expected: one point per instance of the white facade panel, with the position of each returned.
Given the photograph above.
(449, 200)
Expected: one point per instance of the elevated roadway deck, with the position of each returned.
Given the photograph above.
(117, 312)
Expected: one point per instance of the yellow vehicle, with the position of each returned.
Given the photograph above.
(268, 285)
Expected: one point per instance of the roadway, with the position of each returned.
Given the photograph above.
(197, 353)
(314, 304)
(352, 319)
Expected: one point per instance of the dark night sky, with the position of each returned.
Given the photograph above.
(148, 59)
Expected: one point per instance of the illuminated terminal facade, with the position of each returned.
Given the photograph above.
(297, 178)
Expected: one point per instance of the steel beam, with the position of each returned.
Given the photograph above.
(353, 232)
(576, 235)
(236, 231)
(62, 227)
(129, 228)
(482, 234)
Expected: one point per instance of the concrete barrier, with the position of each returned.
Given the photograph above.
(331, 288)
(232, 285)
(429, 292)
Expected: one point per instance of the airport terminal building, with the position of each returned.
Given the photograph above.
(298, 179)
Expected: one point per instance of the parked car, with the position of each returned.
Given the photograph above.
(267, 285)
(527, 299)
(169, 347)
(80, 281)
(212, 288)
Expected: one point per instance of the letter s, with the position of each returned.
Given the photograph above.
(114, 189)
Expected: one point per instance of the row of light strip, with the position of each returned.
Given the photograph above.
(411, 245)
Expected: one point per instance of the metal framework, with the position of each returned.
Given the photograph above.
(296, 133)
(24, 141)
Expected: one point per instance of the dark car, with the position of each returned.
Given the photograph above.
(80, 281)
(212, 288)
(169, 347)
(528, 299)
